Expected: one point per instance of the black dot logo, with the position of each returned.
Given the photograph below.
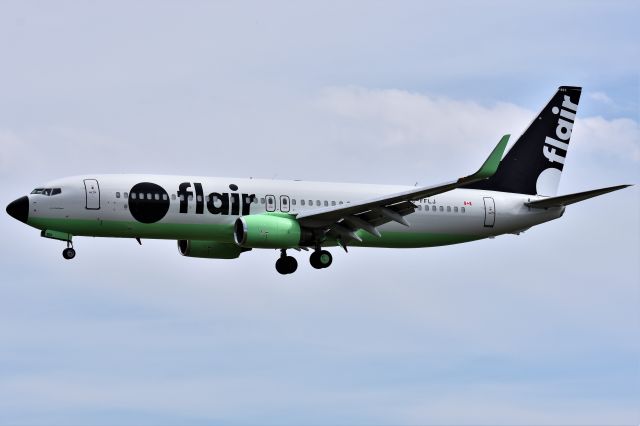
(148, 202)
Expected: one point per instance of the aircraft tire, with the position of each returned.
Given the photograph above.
(286, 265)
(321, 259)
(69, 253)
(292, 264)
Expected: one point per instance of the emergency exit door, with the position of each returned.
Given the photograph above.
(489, 212)
(92, 193)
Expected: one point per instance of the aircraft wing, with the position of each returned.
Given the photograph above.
(342, 221)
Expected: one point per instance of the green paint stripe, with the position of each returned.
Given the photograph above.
(412, 239)
(126, 229)
(224, 233)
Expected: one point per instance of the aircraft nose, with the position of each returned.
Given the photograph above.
(19, 209)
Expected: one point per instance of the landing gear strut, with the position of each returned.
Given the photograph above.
(286, 264)
(69, 253)
(321, 259)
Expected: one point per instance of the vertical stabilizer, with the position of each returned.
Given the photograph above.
(534, 163)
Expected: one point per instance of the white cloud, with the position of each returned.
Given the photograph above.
(601, 97)
(404, 120)
(618, 137)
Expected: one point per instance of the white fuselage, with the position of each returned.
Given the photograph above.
(101, 205)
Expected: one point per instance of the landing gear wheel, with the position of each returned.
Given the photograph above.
(69, 253)
(286, 265)
(321, 259)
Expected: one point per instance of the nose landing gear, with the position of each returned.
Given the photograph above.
(286, 264)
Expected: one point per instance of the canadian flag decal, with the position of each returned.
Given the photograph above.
(467, 203)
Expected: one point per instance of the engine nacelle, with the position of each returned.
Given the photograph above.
(270, 230)
(209, 249)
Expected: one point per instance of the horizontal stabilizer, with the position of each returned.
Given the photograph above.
(565, 200)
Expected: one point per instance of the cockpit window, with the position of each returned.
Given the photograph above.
(47, 191)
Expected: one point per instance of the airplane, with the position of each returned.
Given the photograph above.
(222, 218)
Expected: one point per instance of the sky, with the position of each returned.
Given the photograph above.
(540, 328)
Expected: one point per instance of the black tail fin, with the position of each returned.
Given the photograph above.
(534, 163)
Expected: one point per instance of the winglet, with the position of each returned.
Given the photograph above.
(491, 164)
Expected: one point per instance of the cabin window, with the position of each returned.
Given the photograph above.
(199, 198)
(441, 208)
(448, 209)
(333, 203)
(326, 203)
(165, 197)
(284, 201)
(419, 207)
(433, 208)
(133, 196)
(173, 196)
(311, 202)
(181, 197)
(125, 195)
(455, 210)
(254, 199)
(157, 197)
(117, 195)
(302, 202)
(293, 201)
(318, 203)
(340, 202)
(56, 191)
(190, 197)
(261, 200)
(462, 209)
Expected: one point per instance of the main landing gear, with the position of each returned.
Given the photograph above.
(69, 253)
(286, 264)
(319, 259)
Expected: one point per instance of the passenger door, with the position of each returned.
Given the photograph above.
(92, 194)
(489, 212)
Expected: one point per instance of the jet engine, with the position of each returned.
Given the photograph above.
(279, 231)
(210, 249)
